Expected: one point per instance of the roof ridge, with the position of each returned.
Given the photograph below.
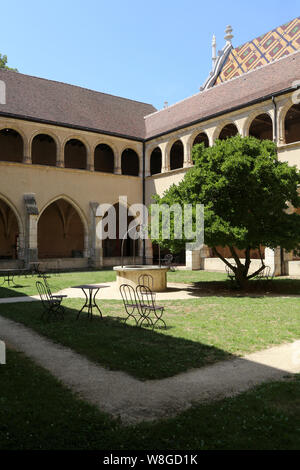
(75, 86)
(225, 83)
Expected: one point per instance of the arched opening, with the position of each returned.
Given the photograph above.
(130, 163)
(201, 138)
(9, 232)
(75, 155)
(155, 161)
(11, 146)
(230, 130)
(104, 158)
(60, 232)
(112, 247)
(262, 127)
(43, 150)
(176, 155)
(292, 124)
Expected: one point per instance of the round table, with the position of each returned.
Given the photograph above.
(90, 291)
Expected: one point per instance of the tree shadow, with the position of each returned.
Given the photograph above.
(142, 352)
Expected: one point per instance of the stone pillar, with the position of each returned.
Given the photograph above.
(165, 158)
(148, 251)
(195, 259)
(89, 159)
(281, 123)
(187, 159)
(117, 163)
(27, 159)
(60, 155)
(147, 162)
(273, 259)
(96, 252)
(31, 245)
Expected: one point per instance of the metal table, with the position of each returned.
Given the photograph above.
(9, 274)
(90, 291)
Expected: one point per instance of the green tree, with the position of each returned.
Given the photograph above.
(246, 192)
(3, 62)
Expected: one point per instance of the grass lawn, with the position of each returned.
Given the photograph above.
(200, 331)
(37, 412)
(27, 285)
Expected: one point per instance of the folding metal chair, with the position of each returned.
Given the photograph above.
(148, 305)
(58, 297)
(52, 307)
(130, 303)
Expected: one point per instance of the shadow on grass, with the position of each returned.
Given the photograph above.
(275, 287)
(141, 352)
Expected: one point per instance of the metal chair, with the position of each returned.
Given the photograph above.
(52, 307)
(167, 261)
(148, 305)
(146, 280)
(58, 297)
(130, 303)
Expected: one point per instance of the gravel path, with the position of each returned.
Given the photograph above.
(133, 400)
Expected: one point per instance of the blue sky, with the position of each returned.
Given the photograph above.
(149, 51)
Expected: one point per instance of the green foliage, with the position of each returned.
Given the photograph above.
(3, 62)
(245, 189)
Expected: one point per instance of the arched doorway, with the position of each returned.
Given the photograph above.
(230, 130)
(43, 150)
(104, 158)
(9, 232)
(60, 231)
(75, 155)
(176, 155)
(112, 247)
(262, 127)
(130, 163)
(11, 146)
(155, 161)
(292, 124)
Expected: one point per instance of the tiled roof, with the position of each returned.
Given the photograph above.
(50, 101)
(263, 50)
(264, 81)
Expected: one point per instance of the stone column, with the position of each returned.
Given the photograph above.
(96, 253)
(117, 163)
(273, 259)
(89, 159)
(165, 158)
(31, 245)
(27, 159)
(187, 159)
(195, 259)
(60, 155)
(148, 251)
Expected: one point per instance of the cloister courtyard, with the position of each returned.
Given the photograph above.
(222, 375)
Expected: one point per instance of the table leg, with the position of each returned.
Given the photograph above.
(85, 305)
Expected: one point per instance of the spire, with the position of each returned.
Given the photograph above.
(214, 51)
(228, 35)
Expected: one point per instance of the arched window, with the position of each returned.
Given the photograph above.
(75, 155)
(230, 130)
(60, 231)
(11, 146)
(201, 138)
(176, 155)
(9, 232)
(104, 158)
(155, 161)
(130, 163)
(262, 127)
(292, 124)
(43, 150)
